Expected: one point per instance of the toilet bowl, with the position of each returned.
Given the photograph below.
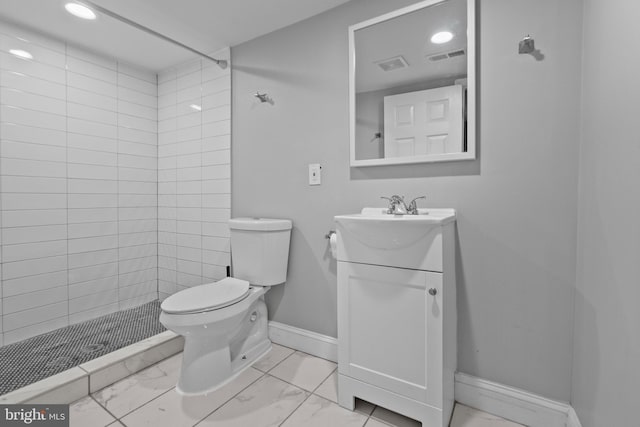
(220, 341)
(224, 323)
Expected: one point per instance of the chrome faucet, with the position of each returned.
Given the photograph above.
(397, 205)
(413, 206)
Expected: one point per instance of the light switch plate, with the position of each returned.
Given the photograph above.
(315, 174)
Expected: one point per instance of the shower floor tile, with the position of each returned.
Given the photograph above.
(36, 358)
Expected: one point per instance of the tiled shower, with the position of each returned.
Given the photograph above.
(194, 175)
(111, 177)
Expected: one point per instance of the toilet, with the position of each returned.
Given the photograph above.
(224, 323)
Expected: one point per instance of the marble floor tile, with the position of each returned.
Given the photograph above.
(372, 422)
(329, 388)
(87, 412)
(304, 370)
(265, 403)
(134, 391)
(276, 355)
(464, 416)
(317, 411)
(393, 419)
(174, 410)
(280, 397)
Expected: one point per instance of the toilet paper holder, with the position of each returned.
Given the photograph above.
(332, 237)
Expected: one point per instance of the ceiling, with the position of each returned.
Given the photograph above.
(409, 36)
(205, 25)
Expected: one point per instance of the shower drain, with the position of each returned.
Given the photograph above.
(92, 348)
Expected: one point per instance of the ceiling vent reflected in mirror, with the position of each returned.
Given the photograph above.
(392, 64)
(446, 55)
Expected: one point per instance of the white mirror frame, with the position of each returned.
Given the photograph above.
(470, 154)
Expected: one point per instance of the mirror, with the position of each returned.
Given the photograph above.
(412, 85)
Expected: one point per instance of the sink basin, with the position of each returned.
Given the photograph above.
(376, 228)
(375, 237)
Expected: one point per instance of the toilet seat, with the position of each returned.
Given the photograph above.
(208, 297)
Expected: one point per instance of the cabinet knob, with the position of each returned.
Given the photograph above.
(433, 292)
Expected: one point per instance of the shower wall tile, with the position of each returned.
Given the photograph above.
(78, 185)
(27, 251)
(84, 289)
(39, 282)
(85, 315)
(32, 68)
(194, 109)
(33, 234)
(92, 183)
(46, 53)
(138, 187)
(104, 70)
(34, 316)
(131, 71)
(1, 260)
(74, 52)
(15, 335)
(13, 270)
(34, 299)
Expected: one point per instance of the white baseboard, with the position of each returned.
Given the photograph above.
(511, 403)
(309, 342)
(572, 419)
(507, 402)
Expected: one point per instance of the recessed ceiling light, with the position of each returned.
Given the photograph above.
(195, 107)
(21, 53)
(80, 10)
(441, 37)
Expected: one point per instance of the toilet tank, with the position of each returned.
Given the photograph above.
(260, 249)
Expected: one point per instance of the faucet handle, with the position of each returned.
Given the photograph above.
(413, 205)
(392, 203)
(396, 204)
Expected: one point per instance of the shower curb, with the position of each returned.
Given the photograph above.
(82, 380)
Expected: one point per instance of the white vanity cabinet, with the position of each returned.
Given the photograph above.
(397, 313)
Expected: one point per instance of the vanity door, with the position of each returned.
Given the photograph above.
(390, 329)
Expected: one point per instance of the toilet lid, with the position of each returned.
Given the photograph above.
(207, 297)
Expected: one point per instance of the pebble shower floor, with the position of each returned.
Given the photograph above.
(36, 358)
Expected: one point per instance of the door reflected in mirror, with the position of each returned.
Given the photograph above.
(412, 85)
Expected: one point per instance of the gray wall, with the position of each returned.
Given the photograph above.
(516, 204)
(606, 372)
